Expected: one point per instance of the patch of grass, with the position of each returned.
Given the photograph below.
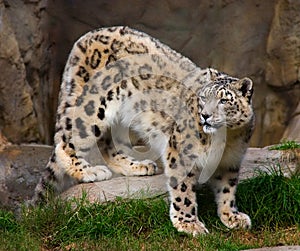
(286, 145)
(13, 235)
(272, 201)
(7, 221)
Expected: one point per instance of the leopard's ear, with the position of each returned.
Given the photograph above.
(212, 74)
(245, 86)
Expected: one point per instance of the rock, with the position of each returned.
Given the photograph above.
(17, 119)
(23, 66)
(3, 142)
(282, 70)
(283, 45)
(21, 167)
(266, 160)
(258, 39)
(292, 131)
(207, 33)
(20, 170)
(119, 187)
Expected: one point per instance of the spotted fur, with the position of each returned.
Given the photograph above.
(198, 121)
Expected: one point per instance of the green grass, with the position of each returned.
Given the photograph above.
(286, 145)
(272, 201)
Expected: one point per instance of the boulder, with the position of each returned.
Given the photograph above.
(20, 170)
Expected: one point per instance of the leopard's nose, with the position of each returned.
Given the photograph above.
(205, 116)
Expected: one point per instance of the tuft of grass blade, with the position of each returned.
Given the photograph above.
(286, 145)
(272, 200)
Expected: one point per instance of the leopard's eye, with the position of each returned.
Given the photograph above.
(223, 101)
(203, 98)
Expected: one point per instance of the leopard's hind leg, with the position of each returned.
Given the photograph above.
(120, 162)
(67, 164)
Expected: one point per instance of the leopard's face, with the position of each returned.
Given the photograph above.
(225, 102)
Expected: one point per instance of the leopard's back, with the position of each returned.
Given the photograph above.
(97, 49)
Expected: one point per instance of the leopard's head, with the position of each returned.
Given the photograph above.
(225, 101)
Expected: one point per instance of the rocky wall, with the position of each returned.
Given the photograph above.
(24, 71)
(258, 39)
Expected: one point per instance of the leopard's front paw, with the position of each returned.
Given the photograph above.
(236, 220)
(96, 173)
(145, 167)
(194, 227)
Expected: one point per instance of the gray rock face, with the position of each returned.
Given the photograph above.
(17, 117)
(292, 132)
(283, 45)
(23, 71)
(20, 170)
(283, 71)
(259, 39)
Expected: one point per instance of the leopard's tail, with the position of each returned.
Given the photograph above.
(51, 183)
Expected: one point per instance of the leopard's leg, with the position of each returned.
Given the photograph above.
(224, 183)
(67, 164)
(182, 189)
(122, 163)
(71, 160)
